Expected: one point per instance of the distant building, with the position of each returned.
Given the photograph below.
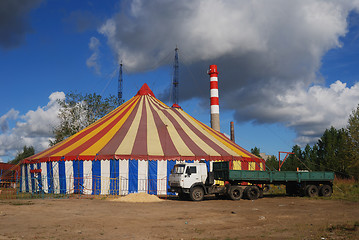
(9, 173)
(264, 156)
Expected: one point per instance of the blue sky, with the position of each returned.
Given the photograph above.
(288, 70)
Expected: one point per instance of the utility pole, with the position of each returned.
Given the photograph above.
(120, 82)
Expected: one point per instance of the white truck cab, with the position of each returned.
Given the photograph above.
(186, 174)
(189, 180)
(194, 181)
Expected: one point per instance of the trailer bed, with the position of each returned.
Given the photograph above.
(222, 172)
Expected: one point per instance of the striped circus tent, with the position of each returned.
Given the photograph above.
(131, 149)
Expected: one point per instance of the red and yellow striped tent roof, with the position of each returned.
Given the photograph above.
(144, 128)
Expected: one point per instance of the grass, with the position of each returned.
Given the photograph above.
(345, 189)
(344, 227)
(17, 203)
(347, 230)
(11, 193)
(7, 193)
(276, 190)
(21, 203)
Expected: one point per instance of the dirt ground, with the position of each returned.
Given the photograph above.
(267, 218)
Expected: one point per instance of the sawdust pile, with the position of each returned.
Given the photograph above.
(138, 197)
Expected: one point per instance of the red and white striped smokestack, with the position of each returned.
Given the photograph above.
(213, 74)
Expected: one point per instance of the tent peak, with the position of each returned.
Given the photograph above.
(145, 90)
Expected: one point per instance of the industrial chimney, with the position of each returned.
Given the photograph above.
(232, 131)
(213, 74)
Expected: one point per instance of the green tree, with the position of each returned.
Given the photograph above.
(294, 160)
(26, 152)
(353, 142)
(333, 151)
(309, 158)
(272, 163)
(79, 111)
(315, 163)
(256, 151)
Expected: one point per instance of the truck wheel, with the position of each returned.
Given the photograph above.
(235, 192)
(252, 192)
(312, 191)
(325, 191)
(197, 194)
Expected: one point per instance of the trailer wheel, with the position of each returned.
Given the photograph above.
(235, 192)
(197, 194)
(312, 191)
(325, 191)
(252, 192)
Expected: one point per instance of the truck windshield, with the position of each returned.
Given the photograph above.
(179, 169)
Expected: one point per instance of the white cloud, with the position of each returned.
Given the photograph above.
(92, 61)
(32, 129)
(268, 54)
(10, 115)
(208, 29)
(311, 112)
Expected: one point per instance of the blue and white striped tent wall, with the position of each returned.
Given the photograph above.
(115, 177)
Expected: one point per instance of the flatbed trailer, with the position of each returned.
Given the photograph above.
(297, 182)
(222, 172)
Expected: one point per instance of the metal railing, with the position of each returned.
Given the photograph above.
(45, 187)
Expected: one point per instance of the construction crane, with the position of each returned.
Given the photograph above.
(175, 80)
(120, 82)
